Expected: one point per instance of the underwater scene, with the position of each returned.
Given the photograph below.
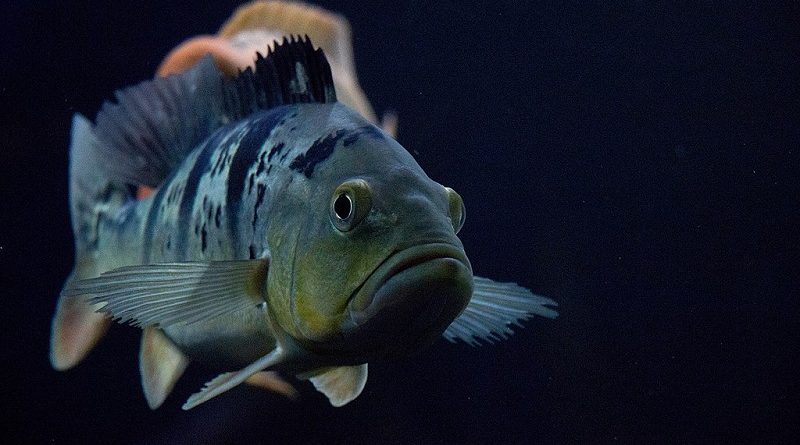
(399, 222)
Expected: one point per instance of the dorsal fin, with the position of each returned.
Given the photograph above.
(256, 24)
(155, 124)
(291, 73)
(258, 21)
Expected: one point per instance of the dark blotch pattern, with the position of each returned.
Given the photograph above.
(261, 164)
(322, 148)
(174, 193)
(152, 215)
(275, 150)
(259, 199)
(200, 168)
(319, 151)
(221, 161)
(369, 131)
(242, 161)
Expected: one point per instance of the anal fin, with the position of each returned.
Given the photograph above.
(161, 365)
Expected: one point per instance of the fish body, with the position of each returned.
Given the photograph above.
(217, 206)
(286, 234)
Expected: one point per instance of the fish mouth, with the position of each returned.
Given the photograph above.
(410, 298)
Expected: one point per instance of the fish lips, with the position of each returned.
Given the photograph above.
(410, 299)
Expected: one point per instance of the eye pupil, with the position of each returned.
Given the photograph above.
(343, 206)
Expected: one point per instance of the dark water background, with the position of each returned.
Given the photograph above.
(637, 162)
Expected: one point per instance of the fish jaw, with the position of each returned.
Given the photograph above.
(409, 300)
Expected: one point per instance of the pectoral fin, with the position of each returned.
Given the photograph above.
(342, 384)
(170, 293)
(161, 365)
(229, 380)
(493, 307)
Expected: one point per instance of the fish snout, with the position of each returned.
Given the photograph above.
(410, 299)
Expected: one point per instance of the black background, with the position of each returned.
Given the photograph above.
(635, 162)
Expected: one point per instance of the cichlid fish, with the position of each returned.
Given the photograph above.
(286, 235)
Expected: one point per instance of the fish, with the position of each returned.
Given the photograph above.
(284, 234)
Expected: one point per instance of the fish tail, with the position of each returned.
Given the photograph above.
(76, 327)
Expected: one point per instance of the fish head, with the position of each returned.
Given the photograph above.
(375, 268)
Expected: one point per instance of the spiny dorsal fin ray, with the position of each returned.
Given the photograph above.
(291, 73)
(260, 21)
(169, 293)
(155, 124)
(493, 308)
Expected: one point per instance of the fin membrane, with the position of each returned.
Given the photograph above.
(161, 365)
(271, 381)
(155, 124)
(230, 380)
(258, 22)
(493, 308)
(169, 293)
(75, 330)
(343, 384)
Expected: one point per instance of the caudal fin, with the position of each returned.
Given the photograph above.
(76, 327)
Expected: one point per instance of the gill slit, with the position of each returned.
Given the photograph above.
(292, 280)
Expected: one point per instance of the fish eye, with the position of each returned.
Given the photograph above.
(350, 203)
(343, 206)
(457, 211)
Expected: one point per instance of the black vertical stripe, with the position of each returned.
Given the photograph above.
(243, 160)
(200, 167)
(152, 216)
